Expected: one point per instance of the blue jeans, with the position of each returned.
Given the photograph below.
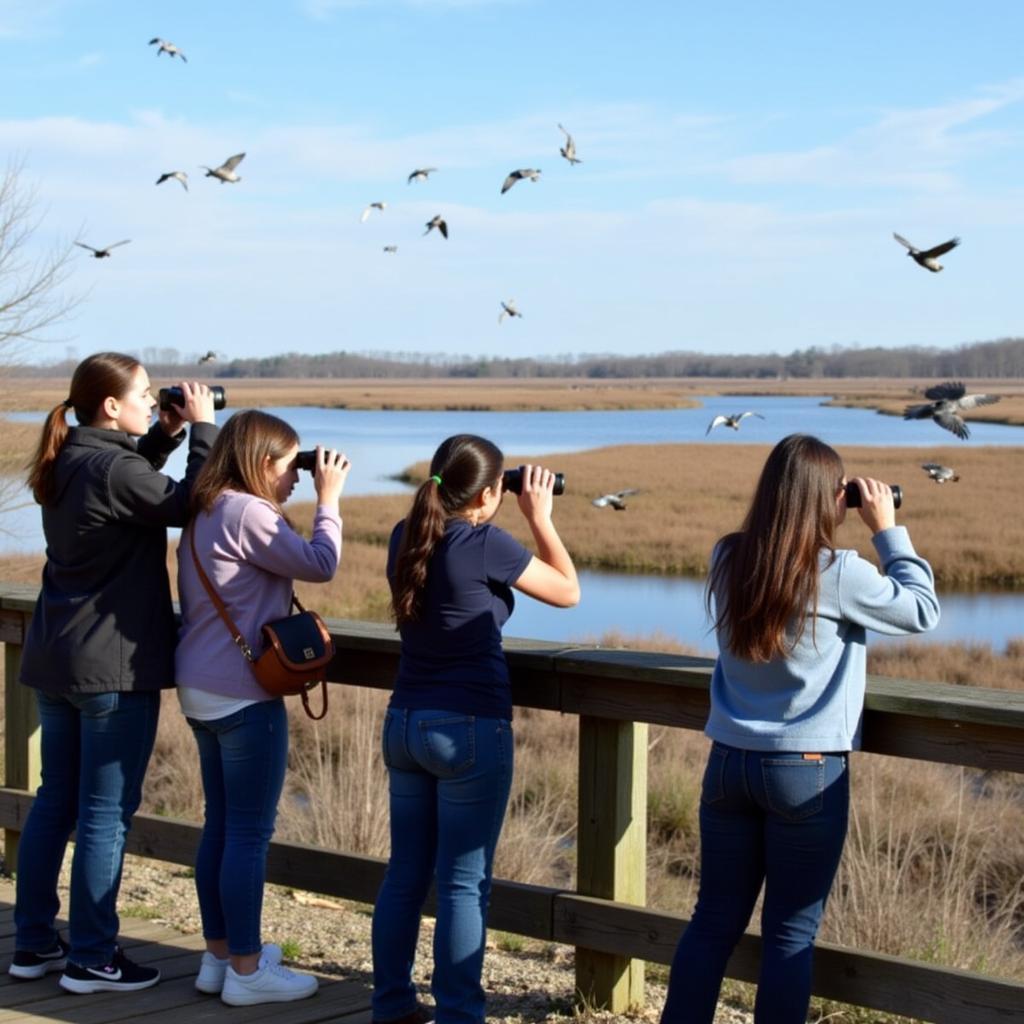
(450, 776)
(95, 748)
(242, 758)
(765, 817)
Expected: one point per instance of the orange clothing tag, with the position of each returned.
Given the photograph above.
(812, 757)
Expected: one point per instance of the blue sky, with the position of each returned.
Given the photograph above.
(744, 167)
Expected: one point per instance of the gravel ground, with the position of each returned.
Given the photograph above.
(526, 981)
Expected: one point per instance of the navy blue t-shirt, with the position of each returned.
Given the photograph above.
(452, 658)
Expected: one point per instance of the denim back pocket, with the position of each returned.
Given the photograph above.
(713, 787)
(449, 744)
(794, 789)
(390, 724)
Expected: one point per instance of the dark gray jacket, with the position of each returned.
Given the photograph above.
(104, 619)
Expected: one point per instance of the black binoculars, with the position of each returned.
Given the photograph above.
(306, 461)
(170, 397)
(512, 480)
(853, 495)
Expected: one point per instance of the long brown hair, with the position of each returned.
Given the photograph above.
(96, 378)
(238, 458)
(465, 465)
(765, 578)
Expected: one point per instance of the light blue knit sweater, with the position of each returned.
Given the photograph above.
(812, 700)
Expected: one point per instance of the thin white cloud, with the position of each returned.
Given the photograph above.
(321, 10)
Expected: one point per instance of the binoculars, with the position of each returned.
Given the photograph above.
(853, 495)
(170, 397)
(512, 480)
(306, 461)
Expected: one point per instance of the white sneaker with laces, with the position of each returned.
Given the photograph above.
(210, 978)
(270, 983)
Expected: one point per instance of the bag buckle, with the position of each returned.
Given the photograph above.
(244, 648)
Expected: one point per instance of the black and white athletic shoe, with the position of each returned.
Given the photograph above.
(29, 966)
(120, 975)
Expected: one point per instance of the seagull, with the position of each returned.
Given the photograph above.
(940, 474)
(508, 309)
(101, 254)
(946, 402)
(420, 174)
(210, 357)
(169, 48)
(926, 258)
(569, 149)
(226, 171)
(373, 206)
(615, 500)
(730, 421)
(437, 222)
(514, 176)
(391, 248)
(177, 176)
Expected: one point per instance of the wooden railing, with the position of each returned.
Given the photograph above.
(615, 694)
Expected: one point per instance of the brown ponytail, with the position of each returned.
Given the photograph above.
(465, 464)
(100, 376)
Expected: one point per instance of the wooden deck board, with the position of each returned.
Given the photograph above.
(173, 1000)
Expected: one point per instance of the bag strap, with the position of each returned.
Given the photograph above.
(305, 701)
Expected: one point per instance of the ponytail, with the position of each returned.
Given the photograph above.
(40, 469)
(462, 467)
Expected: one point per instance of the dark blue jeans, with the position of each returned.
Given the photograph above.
(95, 748)
(450, 777)
(765, 817)
(242, 758)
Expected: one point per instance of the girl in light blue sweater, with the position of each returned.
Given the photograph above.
(787, 696)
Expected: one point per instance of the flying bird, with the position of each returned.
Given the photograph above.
(730, 421)
(940, 474)
(226, 171)
(437, 222)
(514, 176)
(947, 402)
(369, 209)
(169, 48)
(615, 501)
(391, 248)
(569, 149)
(508, 309)
(210, 357)
(177, 176)
(927, 257)
(420, 174)
(101, 254)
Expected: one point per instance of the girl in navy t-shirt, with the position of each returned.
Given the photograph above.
(447, 733)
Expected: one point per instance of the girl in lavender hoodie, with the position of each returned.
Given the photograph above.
(251, 554)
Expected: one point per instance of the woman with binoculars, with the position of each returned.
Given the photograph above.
(447, 736)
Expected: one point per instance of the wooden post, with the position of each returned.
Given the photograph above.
(612, 849)
(21, 725)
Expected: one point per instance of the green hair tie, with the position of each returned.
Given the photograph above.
(436, 479)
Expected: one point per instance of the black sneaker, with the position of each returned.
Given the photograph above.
(120, 975)
(29, 966)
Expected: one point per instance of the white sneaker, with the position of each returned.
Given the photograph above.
(210, 978)
(271, 983)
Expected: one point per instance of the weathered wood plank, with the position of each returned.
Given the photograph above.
(22, 753)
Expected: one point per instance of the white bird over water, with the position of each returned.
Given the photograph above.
(226, 171)
(420, 174)
(437, 222)
(508, 309)
(615, 501)
(177, 176)
(947, 401)
(569, 149)
(369, 209)
(163, 46)
(940, 474)
(927, 257)
(730, 421)
(514, 176)
(103, 253)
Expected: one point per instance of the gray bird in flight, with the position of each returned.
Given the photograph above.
(103, 253)
(927, 258)
(947, 402)
(391, 248)
(508, 309)
(437, 222)
(569, 149)
(514, 176)
(163, 46)
(615, 501)
(420, 174)
(226, 171)
(730, 421)
(177, 176)
(209, 357)
(940, 474)
(369, 209)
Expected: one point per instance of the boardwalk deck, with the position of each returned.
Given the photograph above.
(174, 1000)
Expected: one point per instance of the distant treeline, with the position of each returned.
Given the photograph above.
(1002, 358)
